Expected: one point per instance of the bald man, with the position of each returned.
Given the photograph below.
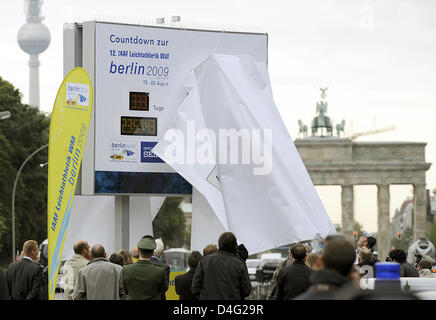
(73, 265)
(100, 279)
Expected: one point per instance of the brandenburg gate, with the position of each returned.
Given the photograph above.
(341, 161)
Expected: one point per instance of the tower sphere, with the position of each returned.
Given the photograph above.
(33, 38)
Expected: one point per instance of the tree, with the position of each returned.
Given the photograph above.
(358, 228)
(5, 183)
(169, 223)
(405, 241)
(3, 228)
(431, 234)
(26, 130)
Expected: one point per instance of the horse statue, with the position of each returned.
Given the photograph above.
(302, 128)
(340, 128)
(321, 120)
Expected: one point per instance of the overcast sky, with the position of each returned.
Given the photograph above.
(376, 57)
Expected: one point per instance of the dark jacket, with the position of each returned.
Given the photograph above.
(183, 285)
(292, 280)
(144, 281)
(24, 280)
(221, 276)
(328, 285)
(242, 252)
(43, 292)
(157, 262)
(408, 270)
(4, 291)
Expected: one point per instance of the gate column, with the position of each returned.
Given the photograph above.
(383, 234)
(347, 200)
(419, 211)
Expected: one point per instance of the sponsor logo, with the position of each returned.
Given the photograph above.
(77, 95)
(123, 152)
(147, 155)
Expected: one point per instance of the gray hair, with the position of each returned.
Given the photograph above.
(159, 247)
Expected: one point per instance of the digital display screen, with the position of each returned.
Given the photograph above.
(138, 126)
(138, 101)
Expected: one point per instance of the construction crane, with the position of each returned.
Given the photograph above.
(369, 132)
(353, 135)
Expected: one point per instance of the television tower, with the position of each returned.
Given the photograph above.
(33, 38)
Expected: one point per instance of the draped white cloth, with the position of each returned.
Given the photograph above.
(259, 189)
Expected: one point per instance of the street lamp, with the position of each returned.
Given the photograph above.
(5, 115)
(13, 197)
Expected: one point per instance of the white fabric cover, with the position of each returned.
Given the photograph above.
(264, 211)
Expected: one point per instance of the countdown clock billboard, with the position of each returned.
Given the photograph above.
(140, 77)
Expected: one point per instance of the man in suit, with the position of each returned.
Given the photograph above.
(406, 269)
(99, 279)
(222, 275)
(293, 279)
(333, 281)
(143, 280)
(4, 291)
(183, 282)
(24, 277)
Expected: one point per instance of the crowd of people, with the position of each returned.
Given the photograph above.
(219, 273)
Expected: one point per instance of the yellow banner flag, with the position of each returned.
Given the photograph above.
(171, 293)
(68, 130)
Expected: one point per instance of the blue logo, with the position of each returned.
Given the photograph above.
(82, 98)
(129, 152)
(147, 155)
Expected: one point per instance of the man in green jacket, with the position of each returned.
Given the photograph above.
(143, 280)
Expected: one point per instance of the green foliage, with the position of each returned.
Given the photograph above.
(431, 234)
(358, 227)
(3, 228)
(187, 235)
(6, 181)
(169, 223)
(406, 240)
(26, 130)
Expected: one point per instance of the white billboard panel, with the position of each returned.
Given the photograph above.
(141, 74)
